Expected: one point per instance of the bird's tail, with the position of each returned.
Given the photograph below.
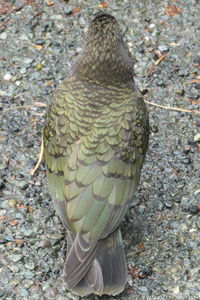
(98, 268)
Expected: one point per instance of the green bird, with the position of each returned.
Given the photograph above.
(95, 141)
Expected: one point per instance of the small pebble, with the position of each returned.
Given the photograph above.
(158, 205)
(39, 42)
(23, 71)
(163, 48)
(24, 37)
(7, 76)
(28, 61)
(15, 257)
(39, 67)
(2, 293)
(197, 138)
(24, 293)
(197, 192)
(169, 204)
(183, 227)
(3, 93)
(186, 149)
(12, 203)
(180, 92)
(22, 184)
(194, 209)
(194, 271)
(30, 266)
(28, 232)
(19, 215)
(3, 36)
(176, 290)
(44, 244)
(52, 292)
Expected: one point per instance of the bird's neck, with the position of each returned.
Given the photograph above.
(104, 62)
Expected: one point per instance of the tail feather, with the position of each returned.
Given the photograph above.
(79, 260)
(113, 264)
(103, 269)
(94, 277)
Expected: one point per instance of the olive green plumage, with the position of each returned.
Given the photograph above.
(95, 139)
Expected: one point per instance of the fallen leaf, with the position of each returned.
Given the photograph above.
(169, 228)
(49, 83)
(196, 80)
(141, 245)
(104, 4)
(175, 171)
(134, 272)
(30, 209)
(173, 10)
(76, 10)
(50, 3)
(38, 47)
(21, 206)
(196, 101)
(13, 222)
(164, 23)
(31, 2)
(137, 273)
(20, 242)
(198, 148)
(6, 8)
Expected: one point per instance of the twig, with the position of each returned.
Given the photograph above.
(173, 108)
(192, 81)
(32, 172)
(10, 268)
(133, 252)
(20, 95)
(40, 104)
(151, 69)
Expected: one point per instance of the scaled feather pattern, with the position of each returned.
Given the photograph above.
(95, 141)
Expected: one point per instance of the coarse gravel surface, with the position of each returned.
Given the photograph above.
(39, 40)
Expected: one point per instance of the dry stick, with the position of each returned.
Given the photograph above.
(133, 252)
(23, 106)
(19, 95)
(150, 71)
(32, 172)
(173, 108)
(192, 81)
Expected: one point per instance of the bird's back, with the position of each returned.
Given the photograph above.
(95, 139)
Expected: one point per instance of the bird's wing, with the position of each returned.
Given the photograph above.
(92, 185)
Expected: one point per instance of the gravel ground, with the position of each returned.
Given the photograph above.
(39, 40)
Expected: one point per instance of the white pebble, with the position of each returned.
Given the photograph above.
(152, 26)
(176, 290)
(3, 36)
(197, 138)
(7, 76)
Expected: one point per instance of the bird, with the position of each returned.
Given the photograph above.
(95, 142)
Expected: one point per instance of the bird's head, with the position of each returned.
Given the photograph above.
(105, 56)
